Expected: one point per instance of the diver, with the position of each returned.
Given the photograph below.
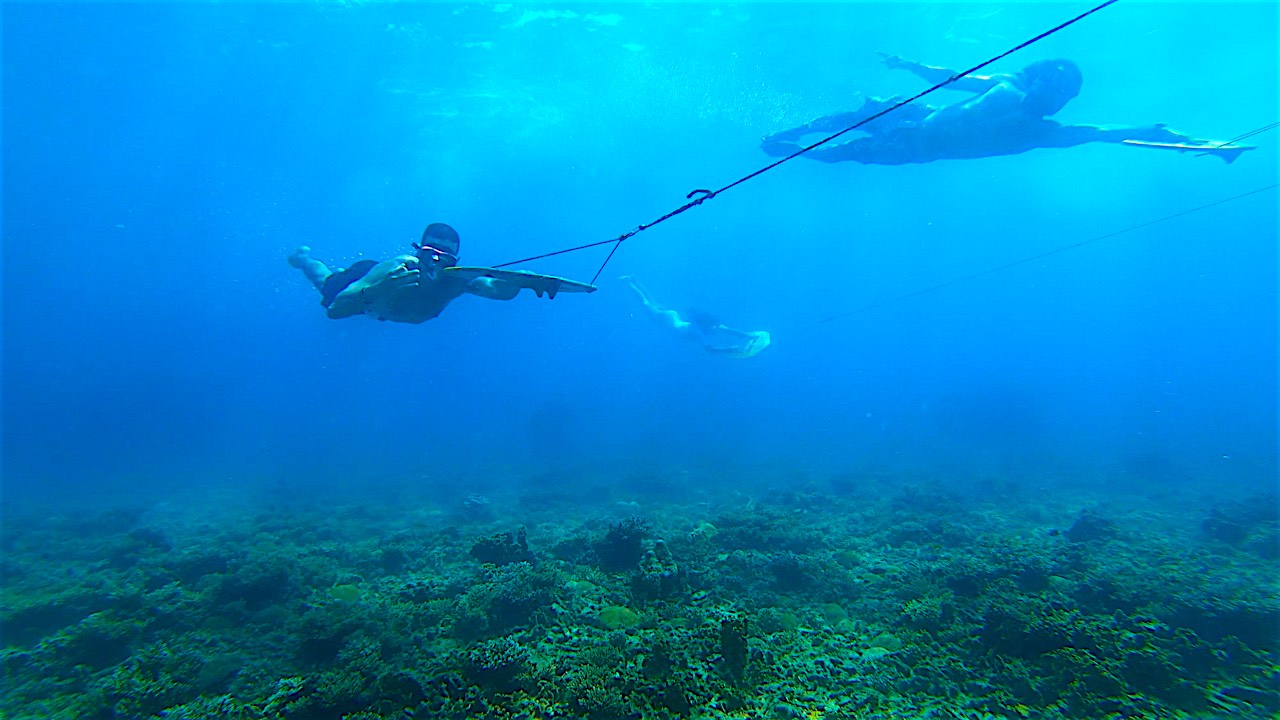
(416, 287)
(1007, 115)
(714, 336)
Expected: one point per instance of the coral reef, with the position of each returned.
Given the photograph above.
(784, 604)
(503, 548)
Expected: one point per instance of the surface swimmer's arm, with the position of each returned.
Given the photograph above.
(933, 74)
(1057, 135)
(1157, 137)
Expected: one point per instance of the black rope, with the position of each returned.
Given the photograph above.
(705, 195)
(1033, 258)
(1249, 134)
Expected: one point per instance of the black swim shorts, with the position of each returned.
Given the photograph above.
(339, 281)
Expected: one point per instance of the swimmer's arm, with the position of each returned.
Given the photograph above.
(492, 288)
(507, 287)
(381, 279)
(1072, 135)
(934, 74)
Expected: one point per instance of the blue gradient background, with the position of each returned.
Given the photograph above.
(161, 160)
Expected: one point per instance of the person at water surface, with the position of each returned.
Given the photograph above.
(1005, 115)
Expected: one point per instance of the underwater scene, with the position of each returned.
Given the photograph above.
(640, 361)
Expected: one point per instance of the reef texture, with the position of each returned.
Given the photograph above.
(843, 598)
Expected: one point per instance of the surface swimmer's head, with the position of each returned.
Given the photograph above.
(1049, 85)
(440, 243)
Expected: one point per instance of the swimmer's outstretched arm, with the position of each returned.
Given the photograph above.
(1152, 136)
(1072, 135)
(505, 285)
(1057, 135)
(492, 288)
(933, 74)
(670, 318)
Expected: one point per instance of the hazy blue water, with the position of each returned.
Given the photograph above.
(161, 160)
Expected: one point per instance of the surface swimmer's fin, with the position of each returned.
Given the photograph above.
(1223, 150)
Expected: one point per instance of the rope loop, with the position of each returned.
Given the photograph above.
(706, 195)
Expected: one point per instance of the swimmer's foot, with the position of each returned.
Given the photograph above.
(300, 256)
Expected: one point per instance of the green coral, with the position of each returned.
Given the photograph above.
(288, 698)
(345, 593)
(509, 596)
(599, 684)
(800, 605)
(495, 664)
(616, 617)
(152, 680)
(223, 707)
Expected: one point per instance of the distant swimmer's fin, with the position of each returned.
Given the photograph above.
(1227, 152)
(753, 344)
(523, 278)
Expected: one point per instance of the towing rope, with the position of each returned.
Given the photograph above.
(704, 195)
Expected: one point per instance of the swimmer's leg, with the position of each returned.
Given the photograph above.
(670, 318)
(908, 116)
(316, 271)
(787, 142)
(638, 288)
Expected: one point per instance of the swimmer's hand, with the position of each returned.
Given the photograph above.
(542, 284)
(406, 273)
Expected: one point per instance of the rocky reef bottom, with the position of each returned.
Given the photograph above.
(662, 595)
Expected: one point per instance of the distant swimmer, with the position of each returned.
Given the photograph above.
(416, 287)
(1006, 115)
(713, 335)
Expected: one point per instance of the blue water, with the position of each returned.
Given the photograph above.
(161, 160)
